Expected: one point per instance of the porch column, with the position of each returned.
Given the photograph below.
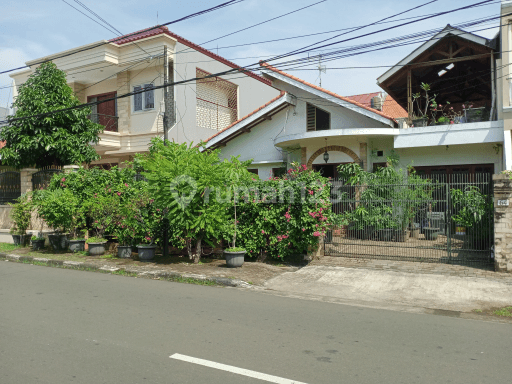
(363, 155)
(502, 223)
(303, 155)
(507, 151)
(123, 105)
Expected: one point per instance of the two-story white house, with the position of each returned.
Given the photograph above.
(321, 129)
(101, 70)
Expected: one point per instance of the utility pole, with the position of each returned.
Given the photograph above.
(167, 123)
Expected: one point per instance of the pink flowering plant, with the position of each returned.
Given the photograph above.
(287, 215)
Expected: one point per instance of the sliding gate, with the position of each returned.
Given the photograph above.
(443, 219)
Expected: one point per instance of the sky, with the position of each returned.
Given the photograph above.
(30, 29)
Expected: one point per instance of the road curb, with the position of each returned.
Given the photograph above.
(144, 274)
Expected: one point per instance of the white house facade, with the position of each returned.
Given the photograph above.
(106, 69)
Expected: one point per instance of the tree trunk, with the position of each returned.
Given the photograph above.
(197, 255)
(189, 248)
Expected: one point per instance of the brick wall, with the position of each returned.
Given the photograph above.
(502, 223)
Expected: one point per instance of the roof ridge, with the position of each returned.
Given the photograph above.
(152, 31)
(343, 98)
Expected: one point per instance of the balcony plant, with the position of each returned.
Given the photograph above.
(422, 100)
(474, 115)
(21, 216)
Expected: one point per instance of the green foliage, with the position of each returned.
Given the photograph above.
(36, 238)
(95, 240)
(61, 210)
(474, 207)
(21, 214)
(100, 210)
(288, 222)
(387, 198)
(57, 139)
(235, 249)
(180, 178)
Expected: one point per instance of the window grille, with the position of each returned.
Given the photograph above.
(217, 101)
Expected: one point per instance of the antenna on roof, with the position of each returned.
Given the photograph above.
(321, 68)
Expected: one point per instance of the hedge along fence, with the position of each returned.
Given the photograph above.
(197, 193)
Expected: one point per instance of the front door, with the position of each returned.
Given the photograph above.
(328, 170)
(105, 113)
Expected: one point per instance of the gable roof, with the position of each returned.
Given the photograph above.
(150, 32)
(253, 118)
(390, 107)
(361, 108)
(448, 30)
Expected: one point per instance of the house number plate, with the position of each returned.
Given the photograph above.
(502, 203)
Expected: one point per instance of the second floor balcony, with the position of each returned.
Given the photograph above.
(109, 122)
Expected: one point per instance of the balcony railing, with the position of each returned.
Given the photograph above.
(109, 122)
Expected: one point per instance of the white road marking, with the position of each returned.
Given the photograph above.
(230, 368)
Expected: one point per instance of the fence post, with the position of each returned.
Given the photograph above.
(502, 223)
(26, 179)
(70, 168)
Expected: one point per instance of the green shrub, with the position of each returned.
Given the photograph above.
(21, 215)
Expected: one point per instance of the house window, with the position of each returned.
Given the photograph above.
(145, 100)
(216, 103)
(254, 170)
(317, 119)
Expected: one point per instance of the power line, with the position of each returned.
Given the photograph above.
(225, 4)
(240, 69)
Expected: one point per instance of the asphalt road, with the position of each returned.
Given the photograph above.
(65, 326)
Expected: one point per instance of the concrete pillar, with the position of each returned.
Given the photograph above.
(502, 223)
(303, 155)
(71, 168)
(507, 151)
(26, 179)
(363, 155)
(123, 105)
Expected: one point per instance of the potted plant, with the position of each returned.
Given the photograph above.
(100, 211)
(236, 172)
(420, 118)
(37, 242)
(474, 115)
(147, 222)
(430, 232)
(21, 216)
(126, 225)
(56, 208)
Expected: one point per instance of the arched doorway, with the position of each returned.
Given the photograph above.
(330, 170)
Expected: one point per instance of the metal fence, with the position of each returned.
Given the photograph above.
(10, 186)
(441, 219)
(41, 179)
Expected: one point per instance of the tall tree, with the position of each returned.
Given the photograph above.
(57, 139)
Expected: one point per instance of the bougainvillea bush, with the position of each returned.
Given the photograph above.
(284, 216)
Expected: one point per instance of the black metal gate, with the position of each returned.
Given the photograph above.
(441, 219)
(41, 179)
(10, 186)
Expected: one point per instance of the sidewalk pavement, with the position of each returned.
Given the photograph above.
(435, 286)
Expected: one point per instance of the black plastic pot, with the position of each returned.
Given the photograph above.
(76, 245)
(37, 245)
(422, 122)
(20, 239)
(431, 233)
(234, 259)
(124, 251)
(386, 234)
(96, 249)
(146, 252)
(58, 242)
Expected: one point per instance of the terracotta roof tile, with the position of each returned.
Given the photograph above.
(268, 66)
(390, 107)
(246, 116)
(148, 32)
